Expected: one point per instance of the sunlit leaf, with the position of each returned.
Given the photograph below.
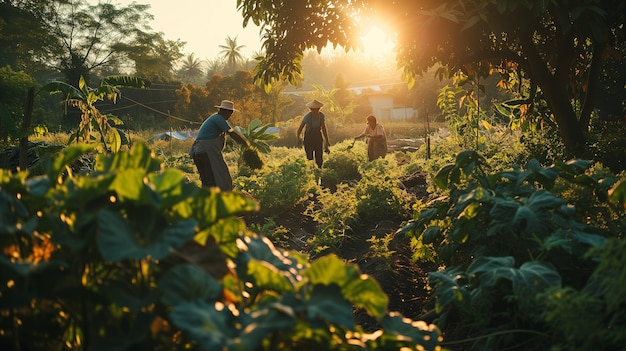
(427, 336)
(267, 276)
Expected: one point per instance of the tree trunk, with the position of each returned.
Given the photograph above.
(555, 94)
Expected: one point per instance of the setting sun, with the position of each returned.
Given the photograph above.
(377, 42)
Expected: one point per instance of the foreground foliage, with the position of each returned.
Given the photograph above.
(132, 256)
(522, 265)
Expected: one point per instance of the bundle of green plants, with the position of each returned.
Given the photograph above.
(251, 158)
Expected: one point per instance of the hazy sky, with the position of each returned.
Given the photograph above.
(205, 24)
(202, 24)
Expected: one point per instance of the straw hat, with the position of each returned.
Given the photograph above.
(227, 105)
(314, 104)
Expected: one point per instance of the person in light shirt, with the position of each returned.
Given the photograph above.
(376, 139)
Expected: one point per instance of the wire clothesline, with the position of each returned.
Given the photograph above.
(161, 112)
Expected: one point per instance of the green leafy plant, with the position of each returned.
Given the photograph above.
(278, 186)
(94, 124)
(505, 240)
(335, 214)
(132, 256)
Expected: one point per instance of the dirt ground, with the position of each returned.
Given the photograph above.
(403, 280)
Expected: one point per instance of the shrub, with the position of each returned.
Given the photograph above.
(279, 186)
(132, 257)
(505, 241)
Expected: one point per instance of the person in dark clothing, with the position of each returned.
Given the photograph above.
(315, 133)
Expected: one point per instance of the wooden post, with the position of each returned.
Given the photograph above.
(28, 111)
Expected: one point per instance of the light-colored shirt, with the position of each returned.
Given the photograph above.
(378, 130)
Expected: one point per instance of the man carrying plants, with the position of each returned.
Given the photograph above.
(206, 150)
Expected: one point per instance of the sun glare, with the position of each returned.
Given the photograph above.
(377, 42)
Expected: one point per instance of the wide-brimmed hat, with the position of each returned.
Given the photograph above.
(314, 104)
(227, 105)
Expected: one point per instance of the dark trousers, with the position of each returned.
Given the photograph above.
(204, 169)
(313, 146)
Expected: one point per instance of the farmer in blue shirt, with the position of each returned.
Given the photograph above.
(207, 148)
(315, 133)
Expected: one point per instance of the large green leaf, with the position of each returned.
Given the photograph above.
(359, 289)
(139, 157)
(534, 275)
(210, 206)
(266, 276)
(117, 240)
(129, 185)
(326, 302)
(212, 329)
(487, 270)
(187, 283)
(172, 188)
(415, 333)
(57, 166)
(225, 232)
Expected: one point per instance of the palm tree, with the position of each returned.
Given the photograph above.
(231, 52)
(214, 66)
(191, 69)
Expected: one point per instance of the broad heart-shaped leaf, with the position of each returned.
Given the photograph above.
(187, 283)
(117, 240)
(139, 157)
(359, 289)
(574, 242)
(211, 205)
(414, 332)
(326, 302)
(128, 185)
(212, 329)
(485, 271)
(534, 275)
(57, 165)
(172, 188)
(225, 232)
(258, 248)
(431, 235)
(265, 276)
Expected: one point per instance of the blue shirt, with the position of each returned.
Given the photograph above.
(212, 127)
(313, 122)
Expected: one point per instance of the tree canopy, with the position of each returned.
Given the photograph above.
(77, 39)
(546, 50)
